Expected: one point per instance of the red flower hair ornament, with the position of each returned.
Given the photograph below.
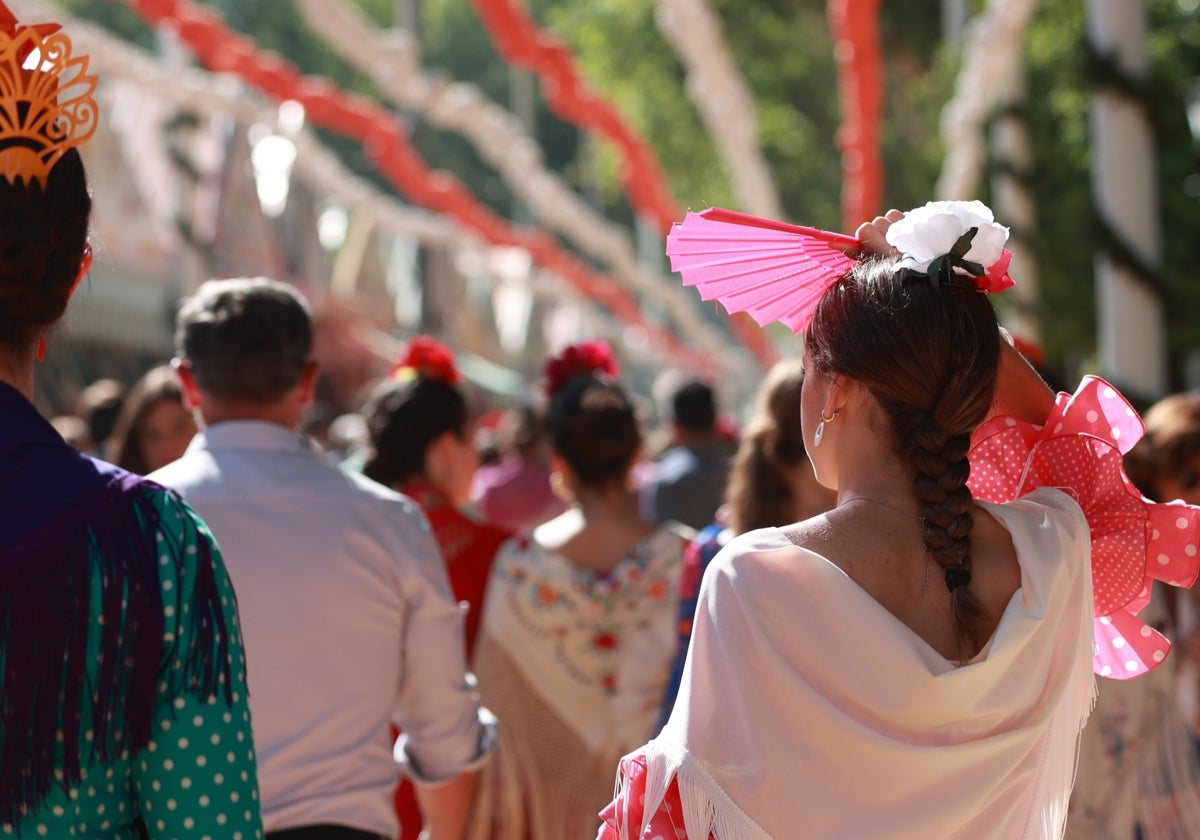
(775, 271)
(587, 358)
(426, 357)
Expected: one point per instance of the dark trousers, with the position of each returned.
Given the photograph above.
(323, 832)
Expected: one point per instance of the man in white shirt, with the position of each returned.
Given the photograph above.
(346, 610)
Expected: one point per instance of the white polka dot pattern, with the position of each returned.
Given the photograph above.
(183, 784)
(1134, 541)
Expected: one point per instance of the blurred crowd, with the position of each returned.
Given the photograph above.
(609, 499)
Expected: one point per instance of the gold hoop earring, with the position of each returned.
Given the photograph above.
(820, 432)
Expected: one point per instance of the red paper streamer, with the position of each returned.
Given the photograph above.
(523, 44)
(386, 143)
(855, 28)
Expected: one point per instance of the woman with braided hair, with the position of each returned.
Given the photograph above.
(918, 661)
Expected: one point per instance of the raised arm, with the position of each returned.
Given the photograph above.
(1020, 390)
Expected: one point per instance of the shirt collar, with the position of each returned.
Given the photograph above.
(257, 435)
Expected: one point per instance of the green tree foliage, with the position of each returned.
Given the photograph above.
(1061, 82)
(784, 49)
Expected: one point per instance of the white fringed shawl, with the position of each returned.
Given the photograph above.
(808, 710)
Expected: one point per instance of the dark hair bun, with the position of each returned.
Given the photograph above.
(43, 231)
(404, 419)
(591, 425)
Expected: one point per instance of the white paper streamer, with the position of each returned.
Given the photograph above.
(723, 99)
(392, 60)
(991, 51)
(213, 96)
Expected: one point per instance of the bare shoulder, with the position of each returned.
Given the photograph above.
(996, 572)
(815, 534)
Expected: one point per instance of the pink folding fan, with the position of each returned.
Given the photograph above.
(770, 270)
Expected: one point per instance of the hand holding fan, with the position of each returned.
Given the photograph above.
(770, 270)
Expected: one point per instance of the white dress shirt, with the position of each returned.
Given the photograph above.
(349, 624)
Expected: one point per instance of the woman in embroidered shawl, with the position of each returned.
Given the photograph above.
(579, 618)
(421, 445)
(122, 689)
(918, 661)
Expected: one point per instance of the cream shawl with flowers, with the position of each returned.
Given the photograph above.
(574, 664)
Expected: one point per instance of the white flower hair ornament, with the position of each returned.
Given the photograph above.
(775, 271)
(959, 237)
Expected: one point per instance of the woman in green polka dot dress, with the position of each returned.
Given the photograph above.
(122, 681)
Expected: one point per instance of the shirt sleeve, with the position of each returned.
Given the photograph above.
(197, 775)
(445, 731)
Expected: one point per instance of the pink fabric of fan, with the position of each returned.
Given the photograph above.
(770, 270)
(1134, 541)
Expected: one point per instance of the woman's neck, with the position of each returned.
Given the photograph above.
(16, 369)
(883, 478)
(598, 531)
(607, 504)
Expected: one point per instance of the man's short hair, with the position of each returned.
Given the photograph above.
(694, 406)
(245, 338)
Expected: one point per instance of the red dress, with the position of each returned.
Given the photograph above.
(468, 548)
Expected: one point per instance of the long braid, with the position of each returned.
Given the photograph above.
(928, 354)
(940, 483)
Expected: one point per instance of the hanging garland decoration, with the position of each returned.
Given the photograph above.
(1020, 230)
(1104, 70)
(722, 98)
(1114, 244)
(522, 44)
(991, 55)
(855, 28)
(393, 62)
(386, 144)
(315, 165)
(1106, 73)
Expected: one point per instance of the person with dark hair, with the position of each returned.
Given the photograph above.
(421, 445)
(918, 661)
(349, 620)
(154, 427)
(99, 405)
(687, 482)
(1165, 464)
(515, 492)
(772, 481)
(122, 695)
(577, 625)
(771, 484)
(1139, 773)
